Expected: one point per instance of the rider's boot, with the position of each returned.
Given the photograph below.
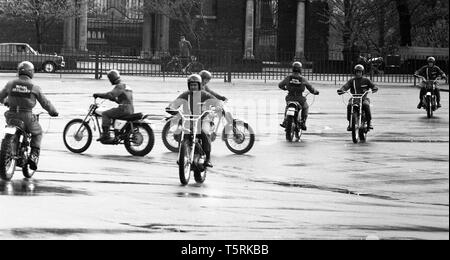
(419, 106)
(106, 136)
(439, 105)
(303, 125)
(208, 163)
(33, 160)
(349, 127)
(283, 124)
(369, 125)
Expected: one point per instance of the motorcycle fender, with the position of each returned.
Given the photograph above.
(291, 111)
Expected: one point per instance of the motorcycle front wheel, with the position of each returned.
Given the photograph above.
(168, 137)
(355, 128)
(184, 162)
(7, 157)
(429, 107)
(77, 136)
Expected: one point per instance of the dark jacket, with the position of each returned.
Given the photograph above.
(22, 95)
(121, 94)
(359, 86)
(296, 84)
(430, 73)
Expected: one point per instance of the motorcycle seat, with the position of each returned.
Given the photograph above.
(133, 117)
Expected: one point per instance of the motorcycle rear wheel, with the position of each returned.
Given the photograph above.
(7, 154)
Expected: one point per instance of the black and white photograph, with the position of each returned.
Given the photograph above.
(224, 120)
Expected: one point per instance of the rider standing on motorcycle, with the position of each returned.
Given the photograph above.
(359, 85)
(121, 94)
(206, 78)
(296, 85)
(193, 102)
(21, 95)
(430, 72)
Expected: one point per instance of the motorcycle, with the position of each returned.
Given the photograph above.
(176, 65)
(358, 121)
(15, 150)
(134, 131)
(191, 157)
(294, 121)
(429, 102)
(238, 136)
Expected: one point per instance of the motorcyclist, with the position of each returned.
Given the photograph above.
(359, 85)
(121, 94)
(20, 95)
(195, 101)
(430, 72)
(296, 85)
(206, 78)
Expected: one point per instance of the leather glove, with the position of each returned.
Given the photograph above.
(54, 114)
(340, 92)
(317, 93)
(6, 103)
(95, 95)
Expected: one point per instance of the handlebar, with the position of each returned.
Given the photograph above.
(358, 95)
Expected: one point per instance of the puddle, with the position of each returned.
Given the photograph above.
(34, 188)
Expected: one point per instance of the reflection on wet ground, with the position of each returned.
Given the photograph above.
(31, 187)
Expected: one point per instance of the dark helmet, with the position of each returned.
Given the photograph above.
(297, 67)
(431, 60)
(194, 78)
(114, 76)
(205, 75)
(26, 68)
(359, 67)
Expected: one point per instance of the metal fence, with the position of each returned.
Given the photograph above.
(226, 64)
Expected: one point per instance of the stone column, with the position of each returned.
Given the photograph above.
(162, 36)
(249, 30)
(165, 33)
(146, 51)
(69, 36)
(83, 23)
(300, 34)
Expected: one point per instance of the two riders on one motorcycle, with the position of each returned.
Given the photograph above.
(194, 102)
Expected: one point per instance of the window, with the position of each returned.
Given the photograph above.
(4, 49)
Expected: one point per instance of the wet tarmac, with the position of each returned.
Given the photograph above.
(395, 186)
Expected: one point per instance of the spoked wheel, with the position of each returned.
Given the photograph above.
(355, 129)
(290, 129)
(7, 157)
(170, 140)
(141, 140)
(239, 137)
(184, 162)
(77, 136)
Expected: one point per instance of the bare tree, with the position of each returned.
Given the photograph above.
(42, 13)
(189, 14)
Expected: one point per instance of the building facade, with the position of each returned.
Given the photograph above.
(258, 29)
